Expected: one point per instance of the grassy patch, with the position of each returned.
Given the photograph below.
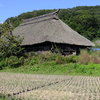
(87, 63)
(58, 69)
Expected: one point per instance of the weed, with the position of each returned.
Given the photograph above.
(60, 60)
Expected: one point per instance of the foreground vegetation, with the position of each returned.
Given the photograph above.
(87, 63)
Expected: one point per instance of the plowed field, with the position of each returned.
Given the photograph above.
(49, 87)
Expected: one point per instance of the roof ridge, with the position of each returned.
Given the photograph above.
(41, 16)
(38, 21)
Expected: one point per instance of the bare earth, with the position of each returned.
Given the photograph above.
(49, 87)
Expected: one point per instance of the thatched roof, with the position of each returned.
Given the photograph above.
(50, 28)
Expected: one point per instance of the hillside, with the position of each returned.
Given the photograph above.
(83, 19)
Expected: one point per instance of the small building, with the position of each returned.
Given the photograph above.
(48, 32)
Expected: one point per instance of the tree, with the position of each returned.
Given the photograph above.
(11, 53)
(10, 46)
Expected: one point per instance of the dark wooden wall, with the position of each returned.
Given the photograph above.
(65, 49)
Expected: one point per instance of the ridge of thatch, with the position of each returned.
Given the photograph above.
(50, 28)
(42, 16)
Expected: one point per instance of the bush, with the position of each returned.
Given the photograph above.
(60, 60)
(84, 57)
(14, 61)
(33, 61)
(71, 59)
(2, 64)
(21, 60)
(89, 57)
(47, 56)
(10, 46)
(30, 54)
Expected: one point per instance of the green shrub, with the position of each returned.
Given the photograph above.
(21, 60)
(33, 61)
(47, 56)
(14, 61)
(71, 59)
(67, 59)
(2, 64)
(60, 60)
(30, 54)
(10, 46)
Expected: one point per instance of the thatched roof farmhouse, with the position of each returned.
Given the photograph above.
(44, 32)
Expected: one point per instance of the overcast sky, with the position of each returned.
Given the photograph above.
(12, 8)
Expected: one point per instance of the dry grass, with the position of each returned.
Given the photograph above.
(86, 58)
(49, 87)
